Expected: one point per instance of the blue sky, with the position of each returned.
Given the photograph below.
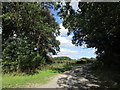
(66, 46)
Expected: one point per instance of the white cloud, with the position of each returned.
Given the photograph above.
(63, 31)
(64, 51)
(74, 4)
(65, 41)
(63, 38)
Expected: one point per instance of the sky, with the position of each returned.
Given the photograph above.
(66, 46)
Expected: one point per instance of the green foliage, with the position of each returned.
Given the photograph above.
(32, 22)
(62, 58)
(27, 26)
(39, 60)
(85, 60)
(97, 26)
(18, 55)
(109, 76)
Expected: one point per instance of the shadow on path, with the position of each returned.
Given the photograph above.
(79, 77)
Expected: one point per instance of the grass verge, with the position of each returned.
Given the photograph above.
(20, 81)
(42, 76)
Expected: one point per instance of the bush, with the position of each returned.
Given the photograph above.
(85, 60)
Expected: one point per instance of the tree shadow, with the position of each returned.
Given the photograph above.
(80, 77)
(109, 75)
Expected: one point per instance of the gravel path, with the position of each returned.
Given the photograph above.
(51, 84)
(79, 77)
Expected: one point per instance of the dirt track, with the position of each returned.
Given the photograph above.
(51, 84)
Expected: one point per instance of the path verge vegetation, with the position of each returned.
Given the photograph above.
(19, 80)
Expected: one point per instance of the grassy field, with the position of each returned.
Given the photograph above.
(42, 76)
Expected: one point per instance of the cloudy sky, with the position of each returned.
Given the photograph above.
(66, 46)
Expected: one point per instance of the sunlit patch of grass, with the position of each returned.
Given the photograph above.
(10, 81)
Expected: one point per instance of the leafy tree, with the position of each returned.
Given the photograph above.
(31, 21)
(27, 26)
(96, 25)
